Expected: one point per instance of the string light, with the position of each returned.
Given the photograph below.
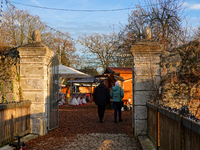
(80, 10)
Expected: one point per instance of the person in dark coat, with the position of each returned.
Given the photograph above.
(101, 97)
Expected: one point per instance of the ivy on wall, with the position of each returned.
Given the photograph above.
(9, 67)
(3, 94)
(12, 88)
(20, 89)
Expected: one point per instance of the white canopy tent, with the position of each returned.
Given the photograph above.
(67, 72)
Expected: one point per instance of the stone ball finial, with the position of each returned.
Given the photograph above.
(36, 35)
(147, 33)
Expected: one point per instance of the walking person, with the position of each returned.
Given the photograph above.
(117, 94)
(101, 97)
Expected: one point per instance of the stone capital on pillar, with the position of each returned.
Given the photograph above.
(146, 47)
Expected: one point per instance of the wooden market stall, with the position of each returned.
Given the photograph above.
(84, 85)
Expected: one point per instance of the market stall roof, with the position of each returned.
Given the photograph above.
(116, 77)
(84, 80)
(118, 70)
(67, 72)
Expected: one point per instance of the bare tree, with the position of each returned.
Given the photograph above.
(196, 36)
(4, 34)
(62, 43)
(101, 48)
(17, 29)
(164, 19)
(20, 25)
(133, 31)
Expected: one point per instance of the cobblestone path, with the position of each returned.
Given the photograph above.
(79, 129)
(102, 141)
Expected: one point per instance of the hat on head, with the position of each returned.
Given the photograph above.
(102, 81)
(116, 83)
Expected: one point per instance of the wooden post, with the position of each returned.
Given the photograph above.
(158, 129)
(181, 133)
(12, 128)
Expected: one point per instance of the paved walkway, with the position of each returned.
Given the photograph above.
(79, 129)
(102, 141)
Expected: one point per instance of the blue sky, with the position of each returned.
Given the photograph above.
(78, 23)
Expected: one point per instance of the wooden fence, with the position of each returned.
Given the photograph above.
(14, 121)
(171, 131)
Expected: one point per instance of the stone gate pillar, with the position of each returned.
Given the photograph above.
(34, 58)
(146, 66)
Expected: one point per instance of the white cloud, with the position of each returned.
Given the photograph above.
(192, 6)
(195, 6)
(185, 4)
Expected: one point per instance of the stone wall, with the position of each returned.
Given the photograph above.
(9, 76)
(180, 73)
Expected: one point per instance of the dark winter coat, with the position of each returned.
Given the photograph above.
(117, 94)
(101, 95)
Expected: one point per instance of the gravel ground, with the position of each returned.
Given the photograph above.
(79, 128)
